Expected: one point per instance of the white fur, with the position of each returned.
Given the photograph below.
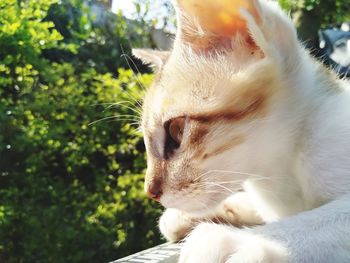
(294, 163)
(175, 224)
(217, 243)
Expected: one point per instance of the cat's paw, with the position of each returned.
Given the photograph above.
(238, 210)
(175, 224)
(212, 243)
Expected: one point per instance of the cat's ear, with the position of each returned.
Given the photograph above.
(274, 33)
(155, 58)
(206, 24)
(209, 24)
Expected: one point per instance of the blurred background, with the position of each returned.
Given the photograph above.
(71, 156)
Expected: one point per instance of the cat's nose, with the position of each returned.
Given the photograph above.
(154, 190)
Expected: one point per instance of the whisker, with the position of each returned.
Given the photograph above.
(127, 58)
(238, 180)
(223, 187)
(123, 104)
(119, 118)
(234, 172)
(227, 171)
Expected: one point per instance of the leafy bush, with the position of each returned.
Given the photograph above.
(71, 185)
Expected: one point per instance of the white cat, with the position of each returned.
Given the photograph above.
(243, 126)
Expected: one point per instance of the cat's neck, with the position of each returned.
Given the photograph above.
(289, 187)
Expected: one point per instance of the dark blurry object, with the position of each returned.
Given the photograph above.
(335, 48)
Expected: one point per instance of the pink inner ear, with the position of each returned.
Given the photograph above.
(220, 17)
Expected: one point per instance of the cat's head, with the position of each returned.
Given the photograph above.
(209, 120)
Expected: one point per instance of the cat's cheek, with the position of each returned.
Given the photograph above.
(212, 243)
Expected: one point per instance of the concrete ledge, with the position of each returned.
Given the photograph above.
(165, 253)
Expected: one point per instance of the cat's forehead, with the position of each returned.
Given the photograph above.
(188, 80)
(171, 97)
(191, 84)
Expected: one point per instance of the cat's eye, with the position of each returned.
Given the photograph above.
(174, 129)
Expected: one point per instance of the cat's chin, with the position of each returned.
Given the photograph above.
(198, 209)
(202, 213)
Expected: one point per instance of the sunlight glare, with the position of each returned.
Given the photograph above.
(127, 6)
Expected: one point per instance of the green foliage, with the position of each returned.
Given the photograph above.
(71, 185)
(159, 13)
(330, 11)
(311, 15)
(71, 162)
(96, 37)
(23, 37)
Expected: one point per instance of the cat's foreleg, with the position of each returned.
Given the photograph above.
(321, 235)
(236, 210)
(239, 210)
(175, 224)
